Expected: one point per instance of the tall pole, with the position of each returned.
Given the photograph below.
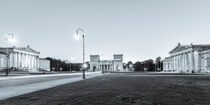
(83, 40)
(83, 36)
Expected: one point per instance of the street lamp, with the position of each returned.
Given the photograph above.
(83, 37)
(11, 40)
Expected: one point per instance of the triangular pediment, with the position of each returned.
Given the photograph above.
(180, 47)
(28, 49)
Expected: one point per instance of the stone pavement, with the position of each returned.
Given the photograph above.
(31, 86)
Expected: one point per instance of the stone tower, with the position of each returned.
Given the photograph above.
(94, 62)
(118, 62)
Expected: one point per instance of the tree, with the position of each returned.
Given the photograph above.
(149, 65)
(139, 66)
(130, 65)
(76, 66)
(58, 65)
(124, 66)
(158, 64)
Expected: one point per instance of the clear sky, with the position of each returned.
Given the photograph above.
(139, 29)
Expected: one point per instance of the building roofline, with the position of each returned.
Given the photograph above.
(27, 49)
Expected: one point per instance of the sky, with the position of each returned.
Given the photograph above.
(138, 29)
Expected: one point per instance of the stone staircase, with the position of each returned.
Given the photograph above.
(24, 71)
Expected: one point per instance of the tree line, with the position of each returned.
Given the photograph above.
(148, 65)
(59, 65)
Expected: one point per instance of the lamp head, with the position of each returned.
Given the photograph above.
(85, 66)
(11, 39)
(77, 34)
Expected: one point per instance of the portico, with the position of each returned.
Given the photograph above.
(105, 65)
(22, 57)
(186, 58)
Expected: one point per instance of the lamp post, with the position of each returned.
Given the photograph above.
(83, 48)
(10, 40)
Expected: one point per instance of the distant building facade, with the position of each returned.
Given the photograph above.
(22, 57)
(3, 60)
(188, 59)
(44, 64)
(106, 65)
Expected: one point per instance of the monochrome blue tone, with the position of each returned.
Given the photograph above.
(139, 29)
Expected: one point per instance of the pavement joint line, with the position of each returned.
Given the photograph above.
(42, 75)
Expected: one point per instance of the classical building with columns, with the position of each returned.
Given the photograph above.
(188, 59)
(3, 60)
(21, 57)
(106, 65)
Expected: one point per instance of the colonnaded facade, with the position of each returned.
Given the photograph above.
(188, 59)
(19, 57)
(106, 65)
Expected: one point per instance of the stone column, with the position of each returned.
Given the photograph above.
(33, 61)
(25, 60)
(14, 59)
(182, 68)
(186, 62)
(191, 57)
(173, 63)
(178, 68)
(30, 61)
(18, 58)
(180, 62)
(16, 54)
(11, 59)
(196, 60)
(21, 62)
